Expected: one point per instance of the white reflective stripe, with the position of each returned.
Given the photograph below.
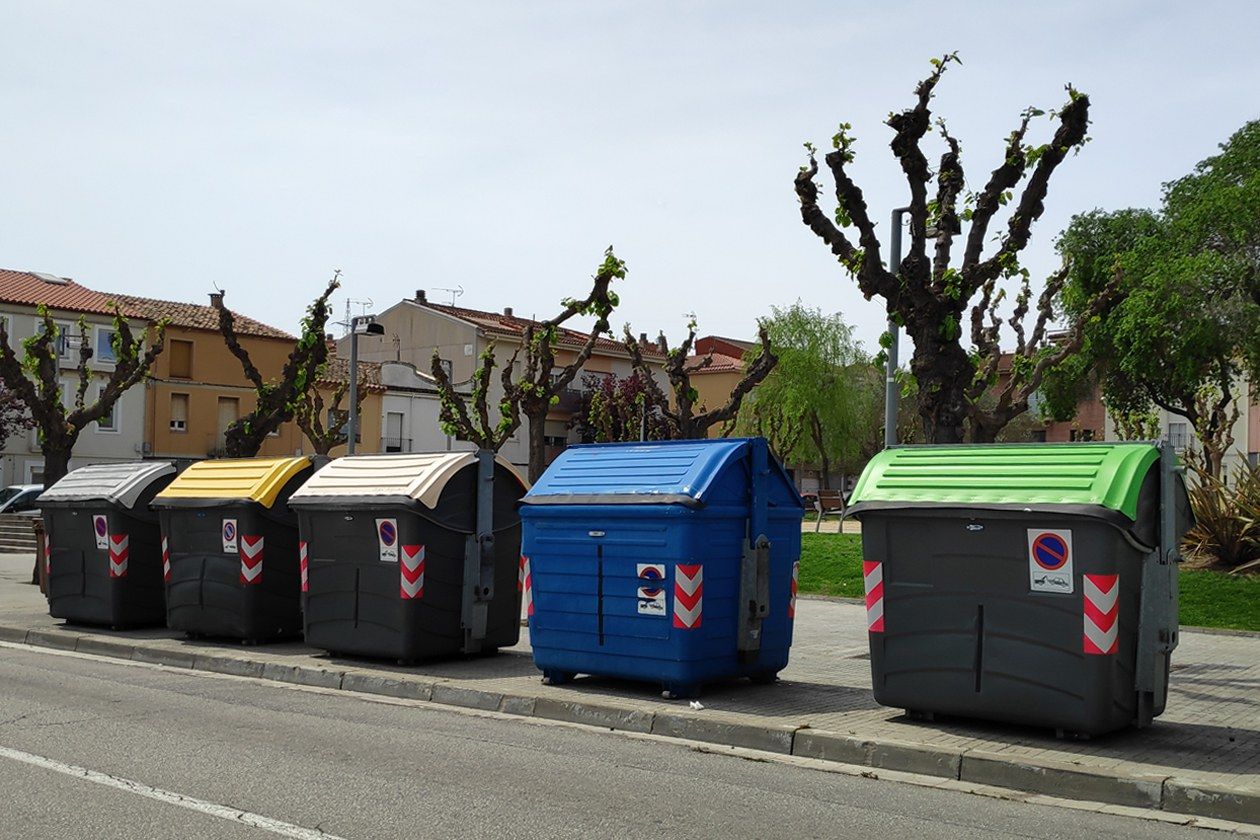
(687, 616)
(180, 800)
(413, 589)
(874, 577)
(1102, 640)
(251, 551)
(1104, 601)
(689, 585)
(874, 612)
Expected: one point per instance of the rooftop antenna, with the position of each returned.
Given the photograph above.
(345, 325)
(454, 292)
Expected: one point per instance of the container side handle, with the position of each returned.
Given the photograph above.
(754, 584)
(1158, 622)
(478, 589)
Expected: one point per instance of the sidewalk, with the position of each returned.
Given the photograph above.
(1201, 757)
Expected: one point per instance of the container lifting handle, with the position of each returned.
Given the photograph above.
(478, 589)
(755, 569)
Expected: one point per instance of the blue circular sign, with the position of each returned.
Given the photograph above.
(388, 532)
(650, 575)
(1050, 551)
(229, 530)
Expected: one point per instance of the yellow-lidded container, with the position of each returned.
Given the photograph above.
(233, 553)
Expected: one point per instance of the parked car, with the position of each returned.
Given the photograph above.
(20, 498)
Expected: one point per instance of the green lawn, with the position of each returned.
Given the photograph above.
(831, 564)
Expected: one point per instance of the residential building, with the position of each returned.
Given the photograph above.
(118, 437)
(371, 418)
(416, 328)
(715, 382)
(411, 410)
(197, 387)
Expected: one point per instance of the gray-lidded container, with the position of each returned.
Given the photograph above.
(1030, 584)
(104, 555)
(411, 556)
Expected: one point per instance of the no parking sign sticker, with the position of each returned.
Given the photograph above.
(651, 588)
(1050, 560)
(100, 530)
(387, 539)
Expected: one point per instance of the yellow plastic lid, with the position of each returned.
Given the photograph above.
(254, 479)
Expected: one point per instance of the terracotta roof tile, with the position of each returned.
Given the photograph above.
(510, 325)
(338, 370)
(196, 316)
(30, 289)
(721, 364)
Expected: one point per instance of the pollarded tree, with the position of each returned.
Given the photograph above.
(930, 295)
(36, 380)
(15, 417)
(324, 424)
(278, 400)
(687, 420)
(541, 381)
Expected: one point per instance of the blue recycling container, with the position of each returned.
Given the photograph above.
(672, 562)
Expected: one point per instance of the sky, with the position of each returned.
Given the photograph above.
(166, 148)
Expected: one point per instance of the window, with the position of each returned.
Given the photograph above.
(1179, 435)
(394, 440)
(67, 334)
(179, 412)
(1082, 434)
(108, 423)
(181, 358)
(105, 346)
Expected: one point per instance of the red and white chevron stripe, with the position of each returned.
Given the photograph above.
(166, 561)
(796, 570)
(119, 550)
(525, 582)
(411, 569)
(688, 595)
(873, 580)
(302, 563)
(251, 559)
(47, 557)
(1102, 614)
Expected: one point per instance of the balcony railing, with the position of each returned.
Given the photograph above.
(395, 444)
(570, 400)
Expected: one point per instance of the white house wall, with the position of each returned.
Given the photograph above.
(21, 455)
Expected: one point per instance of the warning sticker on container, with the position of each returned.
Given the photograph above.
(230, 545)
(387, 539)
(1050, 560)
(651, 589)
(100, 530)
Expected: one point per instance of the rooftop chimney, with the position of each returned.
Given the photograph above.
(331, 343)
(507, 310)
(216, 300)
(420, 296)
(662, 343)
(643, 342)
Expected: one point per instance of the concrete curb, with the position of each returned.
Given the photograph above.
(1062, 780)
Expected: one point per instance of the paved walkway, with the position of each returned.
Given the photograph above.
(1208, 738)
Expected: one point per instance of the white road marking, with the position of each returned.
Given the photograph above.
(223, 812)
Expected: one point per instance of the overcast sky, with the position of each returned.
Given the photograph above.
(161, 148)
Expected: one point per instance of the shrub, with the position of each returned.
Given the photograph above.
(1226, 534)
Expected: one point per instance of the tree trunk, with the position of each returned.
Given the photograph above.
(56, 465)
(943, 371)
(537, 445)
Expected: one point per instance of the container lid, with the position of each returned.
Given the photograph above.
(244, 479)
(120, 484)
(686, 472)
(417, 477)
(1043, 476)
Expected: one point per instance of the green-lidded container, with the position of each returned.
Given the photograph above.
(1028, 583)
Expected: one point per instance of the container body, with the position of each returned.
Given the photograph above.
(86, 584)
(651, 591)
(964, 619)
(361, 600)
(234, 572)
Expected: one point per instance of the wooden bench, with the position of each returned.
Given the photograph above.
(828, 501)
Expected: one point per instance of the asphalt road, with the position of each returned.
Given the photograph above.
(362, 769)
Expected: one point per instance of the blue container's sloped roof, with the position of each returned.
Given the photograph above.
(687, 472)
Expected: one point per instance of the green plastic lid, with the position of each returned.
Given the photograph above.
(1107, 475)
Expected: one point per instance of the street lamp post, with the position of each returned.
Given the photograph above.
(891, 393)
(359, 325)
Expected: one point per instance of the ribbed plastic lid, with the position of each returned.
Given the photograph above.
(253, 479)
(418, 476)
(121, 484)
